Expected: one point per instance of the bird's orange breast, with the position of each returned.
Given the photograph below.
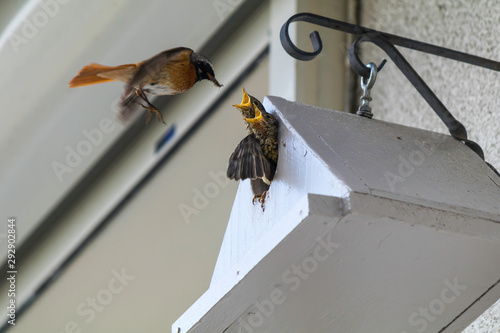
(178, 74)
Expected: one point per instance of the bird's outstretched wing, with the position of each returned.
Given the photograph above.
(147, 67)
(248, 161)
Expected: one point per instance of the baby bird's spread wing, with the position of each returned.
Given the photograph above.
(248, 161)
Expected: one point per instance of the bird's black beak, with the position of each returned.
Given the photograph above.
(214, 80)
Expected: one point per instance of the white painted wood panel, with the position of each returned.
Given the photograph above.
(406, 256)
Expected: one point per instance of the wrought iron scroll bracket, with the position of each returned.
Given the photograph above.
(387, 43)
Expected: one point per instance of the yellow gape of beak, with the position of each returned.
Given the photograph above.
(245, 102)
(258, 115)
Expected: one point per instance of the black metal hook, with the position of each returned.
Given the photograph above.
(356, 64)
(387, 42)
(456, 128)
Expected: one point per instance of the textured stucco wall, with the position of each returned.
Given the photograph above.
(470, 93)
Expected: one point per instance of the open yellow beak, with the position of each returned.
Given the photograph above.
(245, 102)
(258, 115)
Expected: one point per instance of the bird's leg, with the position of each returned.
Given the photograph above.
(150, 113)
(261, 198)
(150, 107)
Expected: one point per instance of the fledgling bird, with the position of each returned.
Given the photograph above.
(168, 73)
(256, 156)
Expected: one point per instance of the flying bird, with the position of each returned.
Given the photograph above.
(256, 156)
(168, 73)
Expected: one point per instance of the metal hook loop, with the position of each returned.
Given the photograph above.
(365, 109)
(367, 83)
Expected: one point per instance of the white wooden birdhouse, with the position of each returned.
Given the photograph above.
(368, 226)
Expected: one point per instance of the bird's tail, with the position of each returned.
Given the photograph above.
(95, 73)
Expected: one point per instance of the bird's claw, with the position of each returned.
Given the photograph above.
(159, 117)
(150, 108)
(260, 198)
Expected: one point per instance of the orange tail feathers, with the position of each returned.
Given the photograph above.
(95, 73)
